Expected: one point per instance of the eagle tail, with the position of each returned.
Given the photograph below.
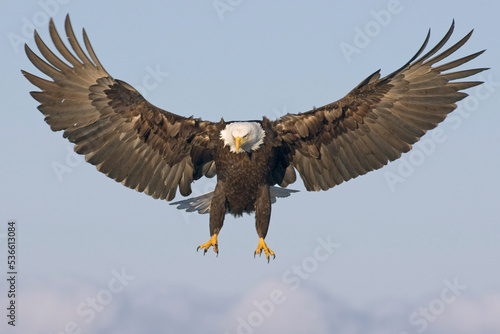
(198, 203)
(202, 203)
(278, 192)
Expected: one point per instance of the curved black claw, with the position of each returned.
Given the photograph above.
(263, 247)
(211, 243)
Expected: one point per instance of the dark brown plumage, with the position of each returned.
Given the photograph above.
(156, 152)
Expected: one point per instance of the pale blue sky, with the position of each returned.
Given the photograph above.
(400, 242)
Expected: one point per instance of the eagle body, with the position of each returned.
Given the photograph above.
(160, 153)
(243, 174)
(244, 180)
(241, 192)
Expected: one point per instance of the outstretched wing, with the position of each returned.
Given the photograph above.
(118, 131)
(376, 122)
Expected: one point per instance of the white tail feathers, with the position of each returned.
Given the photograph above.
(202, 203)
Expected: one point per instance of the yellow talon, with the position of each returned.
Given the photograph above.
(263, 247)
(212, 242)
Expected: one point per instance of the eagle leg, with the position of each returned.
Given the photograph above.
(263, 247)
(217, 212)
(262, 217)
(212, 242)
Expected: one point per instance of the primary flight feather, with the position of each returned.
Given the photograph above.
(158, 152)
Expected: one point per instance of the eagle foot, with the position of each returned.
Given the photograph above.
(263, 247)
(206, 246)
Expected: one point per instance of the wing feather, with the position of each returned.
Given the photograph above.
(378, 120)
(125, 137)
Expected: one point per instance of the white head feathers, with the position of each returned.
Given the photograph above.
(243, 136)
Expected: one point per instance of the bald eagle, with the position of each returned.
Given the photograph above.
(157, 152)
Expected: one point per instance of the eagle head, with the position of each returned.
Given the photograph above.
(243, 136)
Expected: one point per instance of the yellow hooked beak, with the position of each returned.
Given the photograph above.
(237, 142)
